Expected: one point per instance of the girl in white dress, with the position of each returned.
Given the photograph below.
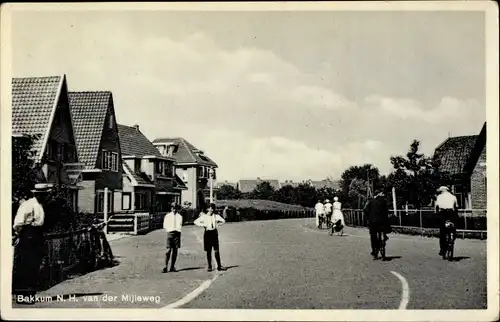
(337, 215)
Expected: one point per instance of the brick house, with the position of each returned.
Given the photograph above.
(150, 183)
(193, 166)
(463, 158)
(98, 146)
(40, 106)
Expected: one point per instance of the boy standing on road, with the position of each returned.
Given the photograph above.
(210, 221)
(172, 223)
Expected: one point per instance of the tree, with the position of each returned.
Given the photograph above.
(306, 195)
(415, 177)
(286, 194)
(361, 174)
(227, 192)
(264, 191)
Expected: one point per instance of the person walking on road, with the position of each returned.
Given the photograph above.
(172, 223)
(447, 210)
(328, 213)
(377, 212)
(210, 221)
(320, 212)
(337, 215)
(29, 245)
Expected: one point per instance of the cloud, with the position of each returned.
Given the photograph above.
(448, 109)
(252, 111)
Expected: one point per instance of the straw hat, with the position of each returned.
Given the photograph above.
(42, 187)
(335, 199)
(443, 189)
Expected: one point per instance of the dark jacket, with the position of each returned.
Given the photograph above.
(377, 213)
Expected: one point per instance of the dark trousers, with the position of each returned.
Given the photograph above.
(211, 241)
(446, 214)
(374, 237)
(28, 255)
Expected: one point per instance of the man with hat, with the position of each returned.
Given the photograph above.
(172, 223)
(447, 210)
(29, 248)
(377, 212)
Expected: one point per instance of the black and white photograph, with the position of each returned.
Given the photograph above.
(314, 161)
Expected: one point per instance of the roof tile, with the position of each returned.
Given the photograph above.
(186, 152)
(454, 153)
(89, 110)
(133, 142)
(33, 101)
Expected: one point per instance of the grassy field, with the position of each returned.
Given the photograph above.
(260, 205)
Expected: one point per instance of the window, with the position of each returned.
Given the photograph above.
(100, 201)
(111, 122)
(126, 204)
(140, 201)
(114, 161)
(52, 150)
(109, 160)
(159, 167)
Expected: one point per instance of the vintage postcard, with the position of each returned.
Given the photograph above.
(302, 161)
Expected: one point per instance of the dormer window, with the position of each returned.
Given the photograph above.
(171, 149)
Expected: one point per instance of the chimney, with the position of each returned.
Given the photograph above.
(136, 126)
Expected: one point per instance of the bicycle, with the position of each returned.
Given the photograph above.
(450, 240)
(381, 242)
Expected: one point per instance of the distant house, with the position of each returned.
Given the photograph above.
(40, 106)
(98, 146)
(149, 180)
(227, 183)
(193, 166)
(321, 184)
(246, 186)
(464, 159)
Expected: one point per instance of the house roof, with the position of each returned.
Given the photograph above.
(454, 153)
(133, 142)
(89, 110)
(186, 152)
(34, 101)
(250, 185)
(140, 177)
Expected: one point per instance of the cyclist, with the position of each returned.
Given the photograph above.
(447, 210)
(377, 212)
(320, 213)
(328, 213)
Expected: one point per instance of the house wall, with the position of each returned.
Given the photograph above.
(188, 174)
(127, 188)
(62, 133)
(478, 183)
(109, 141)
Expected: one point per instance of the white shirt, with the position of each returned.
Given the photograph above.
(210, 222)
(31, 213)
(172, 222)
(337, 205)
(320, 209)
(328, 207)
(446, 200)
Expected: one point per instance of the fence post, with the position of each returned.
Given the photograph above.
(421, 226)
(399, 215)
(135, 224)
(465, 220)
(362, 219)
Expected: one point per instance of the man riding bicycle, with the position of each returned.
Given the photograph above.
(377, 213)
(447, 210)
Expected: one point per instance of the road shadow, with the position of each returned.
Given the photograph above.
(189, 269)
(459, 258)
(232, 266)
(390, 258)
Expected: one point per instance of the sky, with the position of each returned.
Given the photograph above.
(277, 95)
